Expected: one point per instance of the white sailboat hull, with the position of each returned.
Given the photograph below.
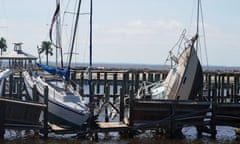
(64, 108)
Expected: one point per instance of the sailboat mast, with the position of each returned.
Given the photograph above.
(198, 7)
(90, 46)
(58, 36)
(74, 32)
(89, 72)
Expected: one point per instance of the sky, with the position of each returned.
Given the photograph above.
(128, 31)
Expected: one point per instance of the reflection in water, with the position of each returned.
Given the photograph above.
(224, 135)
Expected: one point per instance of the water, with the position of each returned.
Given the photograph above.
(224, 135)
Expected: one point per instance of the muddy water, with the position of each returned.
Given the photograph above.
(224, 135)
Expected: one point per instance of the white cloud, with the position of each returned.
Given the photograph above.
(145, 27)
(136, 41)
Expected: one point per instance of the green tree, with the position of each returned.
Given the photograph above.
(3, 45)
(46, 47)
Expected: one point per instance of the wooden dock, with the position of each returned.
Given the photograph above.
(219, 104)
(20, 115)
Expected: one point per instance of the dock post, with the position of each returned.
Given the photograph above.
(144, 76)
(219, 88)
(73, 79)
(172, 128)
(157, 77)
(98, 83)
(136, 83)
(232, 93)
(235, 88)
(213, 117)
(19, 86)
(228, 86)
(121, 117)
(223, 98)
(164, 75)
(106, 102)
(45, 125)
(105, 78)
(81, 84)
(11, 86)
(18, 90)
(215, 88)
(150, 76)
(131, 112)
(209, 87)
(115, 86)
(125, 82)
(2, 117)
(34, 93)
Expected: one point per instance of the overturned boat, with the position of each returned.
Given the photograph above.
(184, 80)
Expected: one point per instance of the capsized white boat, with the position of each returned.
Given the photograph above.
(184, 80)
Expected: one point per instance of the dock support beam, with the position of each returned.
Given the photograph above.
(11, 86)
(121, 117)
(2, 117)
(46, 113)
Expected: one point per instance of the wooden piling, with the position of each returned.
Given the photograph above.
(209, 87)
(121, 115)
(228, 86)
(73, 79)
(219, 88)
(91, 107)
(223, 97)
(105, 78)
(150, 76)
(232, 93)
(81, 84)
(34, 93)
(213, 111)
(45, 125)
(125, 82)
(115, 86)
(131, 108)
(136, 82)
(144, 76)
(157, 77)
(106, 102)
(98, 83)
(2, 119)
(131, 112)
(11, 86)
(235, 88)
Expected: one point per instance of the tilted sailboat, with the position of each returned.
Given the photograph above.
(184, 80)
(65, 105)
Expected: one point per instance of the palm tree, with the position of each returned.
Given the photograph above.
(46, 47)
(3, 45)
